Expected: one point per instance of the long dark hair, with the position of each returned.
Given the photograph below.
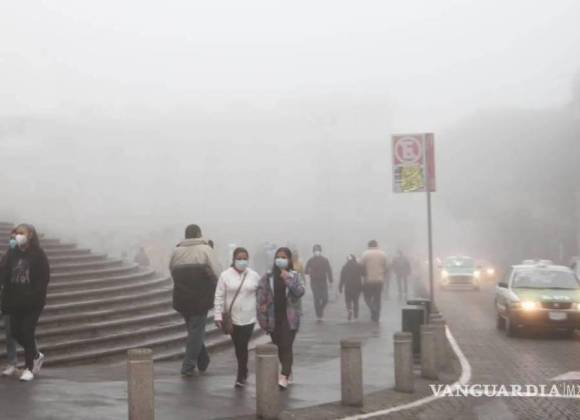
(33, 241)
(237, 251)
(288, 253)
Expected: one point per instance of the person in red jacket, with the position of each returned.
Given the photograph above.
(25, 280)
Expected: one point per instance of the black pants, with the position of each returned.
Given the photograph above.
(284, 337)
(320, 295)
(23, 328)
(351, 298)
(402, 285)
(241, 338)
(372, 293)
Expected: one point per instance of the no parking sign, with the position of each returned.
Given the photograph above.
(413, 163)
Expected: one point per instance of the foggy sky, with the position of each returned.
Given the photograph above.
(433, 60)
(271, 120)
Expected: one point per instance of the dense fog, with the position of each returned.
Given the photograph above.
(121, 122)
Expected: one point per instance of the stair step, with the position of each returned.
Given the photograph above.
(111, 291)
(77, 259)
(66, 252)
(92, 274)
(143, 307)
(82, 266)
(99, 282)
(109, 303)
(92, 329)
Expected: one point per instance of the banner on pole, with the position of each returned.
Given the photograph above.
(413, 163)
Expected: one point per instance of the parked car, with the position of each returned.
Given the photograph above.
(538, 295)
(459, 272)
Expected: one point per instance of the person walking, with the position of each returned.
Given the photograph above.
(11, 351)
(279, 309)
(25, 279)
(351, 277)
(402, 270)
(194, 269)
(376, 267)
(320, 273)
(235, 308)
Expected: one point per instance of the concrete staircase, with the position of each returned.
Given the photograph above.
(99, 307)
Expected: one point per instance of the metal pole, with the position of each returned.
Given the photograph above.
(430, 240)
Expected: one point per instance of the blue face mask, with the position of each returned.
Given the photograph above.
(241, 265)
(13, 243)
(281, 263)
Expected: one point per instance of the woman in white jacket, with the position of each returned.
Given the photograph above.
(241, 280)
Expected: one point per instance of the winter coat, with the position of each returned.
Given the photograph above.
(244, 309)
(351, 277)
(24, 276)
(265, 302)
(319, 270)
(376, 265)
(194, 269)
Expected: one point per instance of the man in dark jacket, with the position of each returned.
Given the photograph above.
(194, 269)
(318, 268)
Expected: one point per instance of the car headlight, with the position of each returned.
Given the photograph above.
(576, 306)
(444, 274)
(477, 274)
(528, 305)
(490, 271)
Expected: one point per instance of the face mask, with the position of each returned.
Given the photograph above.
(281, 263)
(317, 253)
(21, 240)
(13, 243)
(241, 265)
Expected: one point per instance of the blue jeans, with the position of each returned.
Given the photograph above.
(195, 351)
(11, 357)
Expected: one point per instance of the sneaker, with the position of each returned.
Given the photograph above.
(240, 383)
(38, 363)
(283, 382)
(27, 376)
(291, 379)
(9, 371)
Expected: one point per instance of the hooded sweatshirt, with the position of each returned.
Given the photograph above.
(25, 276)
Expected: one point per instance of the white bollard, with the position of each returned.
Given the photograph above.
(439, 327)
(428, 353)
(140, 387)
(404, 375)
(267, 392)
(351, 376)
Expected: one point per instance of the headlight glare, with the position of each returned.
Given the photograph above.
(529, 305)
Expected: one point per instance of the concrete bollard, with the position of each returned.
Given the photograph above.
(404, 375)
(351, 376)
(140, 384)
(428, 353)
(267, 392)
(438, 326)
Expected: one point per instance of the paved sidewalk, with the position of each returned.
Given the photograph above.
(99, 392)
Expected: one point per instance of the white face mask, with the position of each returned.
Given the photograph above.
(317, 253)
(21, 240)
